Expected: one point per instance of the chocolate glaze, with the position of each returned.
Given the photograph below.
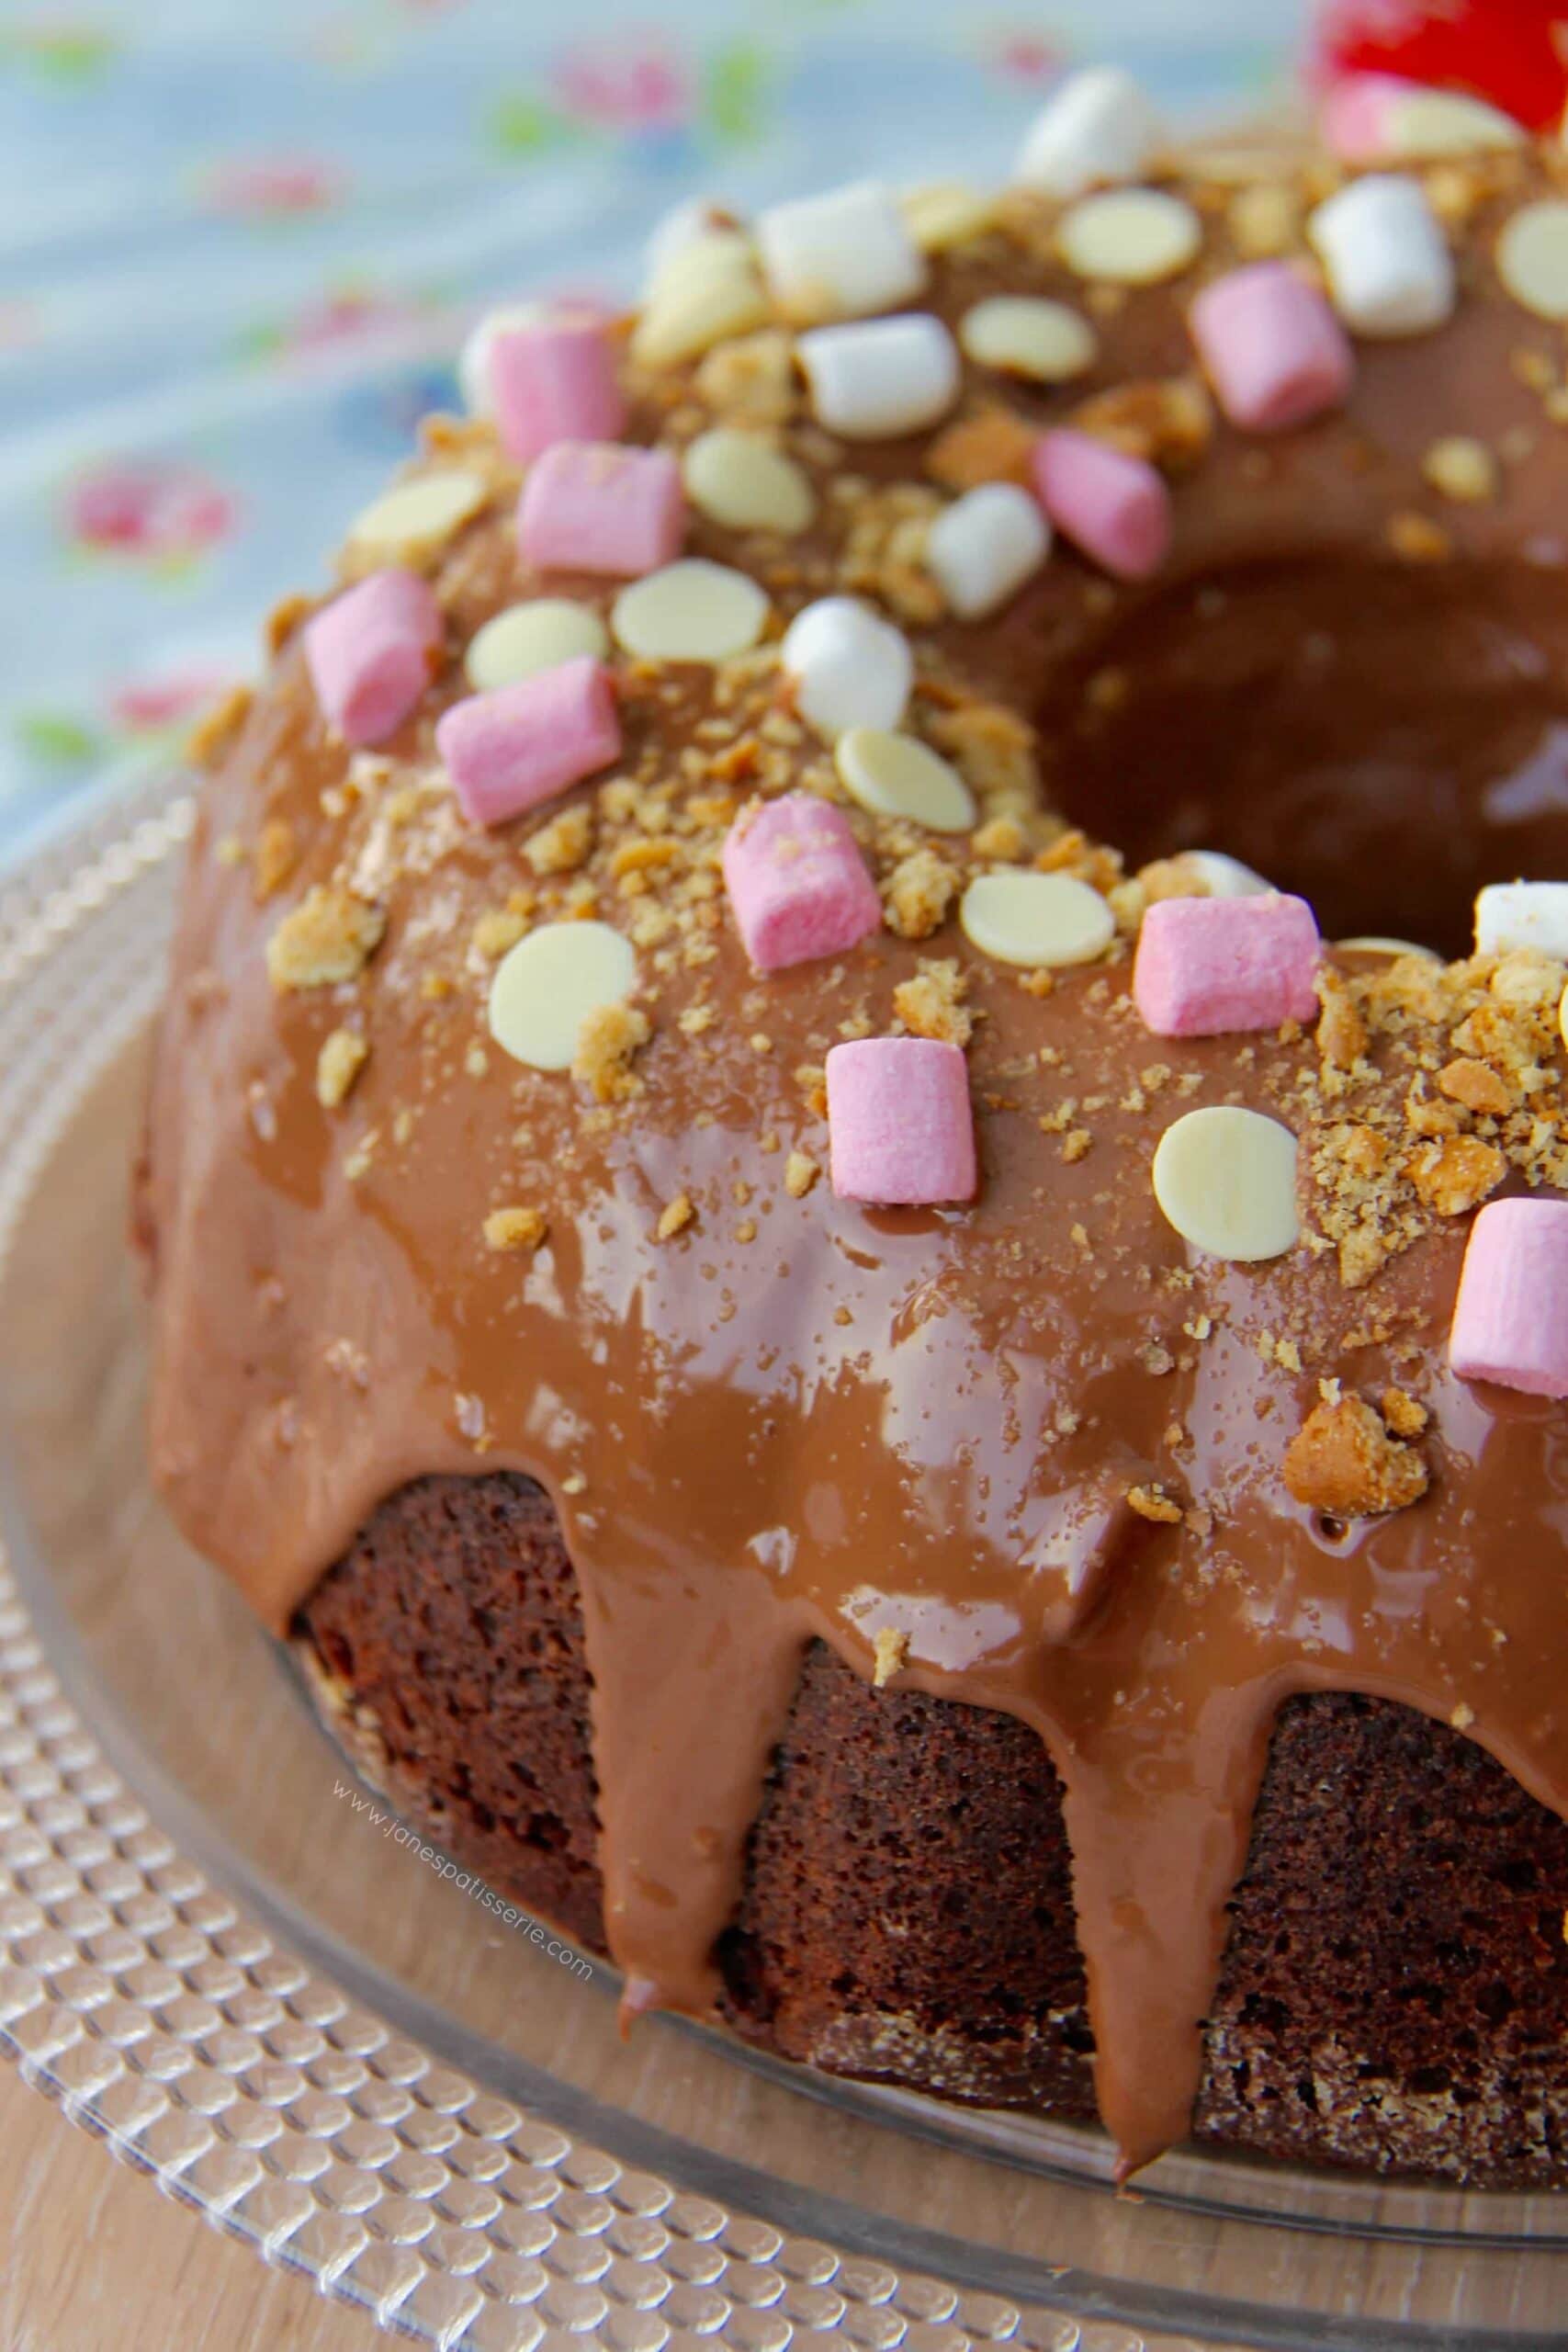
(731, 1429)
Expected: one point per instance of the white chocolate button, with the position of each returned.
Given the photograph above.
(741, 481)
(1097, 128)
(1532, 258)
(707, 298)
(1374, 943)
(982, 549)
(1027, 335)
(412, 523)
(524, 639)
(1522, 914)
(707, 253)
(544, 988)
(851, 667)
(1390, 270)
(685, 226)
(1226, 1179)
(1428, 125)
(691, 611)
(1040, 920)
(896, 775)
(1224, 877)
(947, 213)
(1130, 236)
(841, 255)
(881, 377)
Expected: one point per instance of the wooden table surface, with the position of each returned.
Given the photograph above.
(92, 2259)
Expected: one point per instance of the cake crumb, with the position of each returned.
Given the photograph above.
(674, 1218)
(343, 1055)
(892, 1652)
(518, 1227)
(1344, 1461)
(329, 937)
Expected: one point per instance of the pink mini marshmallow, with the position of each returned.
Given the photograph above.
(899, 1121)
(1114, 508)
(1511, 1317)
(507, 751)
(555, 382)
(595, 506)
(370, 654)
(797, 882)
(1358, 117)
(1205, 965)
(1276, 354)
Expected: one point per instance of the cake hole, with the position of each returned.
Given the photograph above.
(1380, 739)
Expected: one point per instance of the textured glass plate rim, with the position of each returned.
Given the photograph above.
(77, 1794)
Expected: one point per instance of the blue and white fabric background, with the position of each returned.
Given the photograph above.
(240, 241)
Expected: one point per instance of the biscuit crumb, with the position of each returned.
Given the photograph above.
(562, 845)
(892, 1651)
(920, 891)
(1416, 539)
(801, 1172)
(1460, 470)
(518, 1227)
(675, 1216)
(216, 728)
(991, 446)
(497, 932)
(274, 859)
(343, 1055)
(1152, 1502)
(1404, 1416)
(606, 1043)
(1478, 1087)
(1457, 1175)
(931, 1004)
(328, 937)
(1343, 1461)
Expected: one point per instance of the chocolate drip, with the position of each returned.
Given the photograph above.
(735, 1421)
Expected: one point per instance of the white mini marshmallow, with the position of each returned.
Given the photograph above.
(1522, 914)
(841, 254)
(473, 360)
(850, 668)
(985, 545)
(881, 377)
(1098, 128)
(1390, 270)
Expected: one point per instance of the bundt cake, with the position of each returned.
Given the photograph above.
(870, 1374)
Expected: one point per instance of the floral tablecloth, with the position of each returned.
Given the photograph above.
(241, 239)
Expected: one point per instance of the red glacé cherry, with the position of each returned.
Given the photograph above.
(1513, 53)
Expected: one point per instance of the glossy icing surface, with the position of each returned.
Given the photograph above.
(1037, 1438)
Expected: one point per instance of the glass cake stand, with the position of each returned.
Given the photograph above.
(215, 1952)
